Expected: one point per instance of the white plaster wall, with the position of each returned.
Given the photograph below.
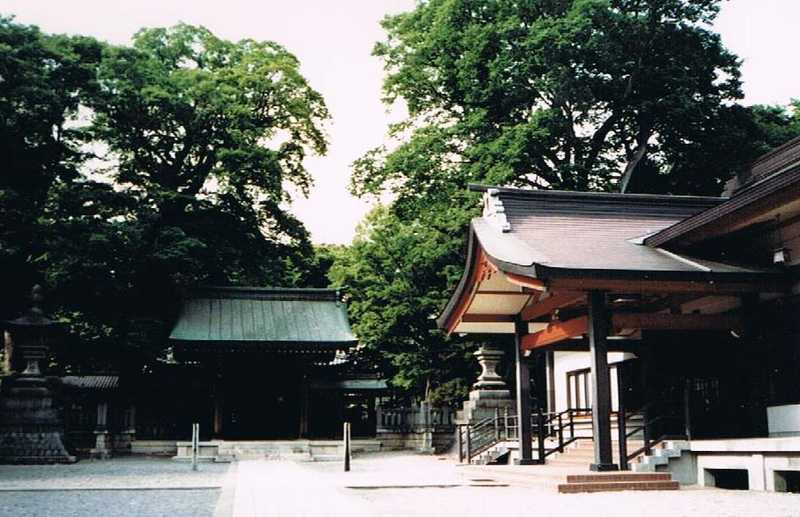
(784, 420)
(570, 361)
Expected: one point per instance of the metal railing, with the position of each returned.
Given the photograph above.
(474, 439)
(654, 428)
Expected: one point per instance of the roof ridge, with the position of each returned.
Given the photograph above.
(610, 196)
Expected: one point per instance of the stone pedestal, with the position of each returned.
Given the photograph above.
(102, 445)
(490, 393)
(31, 431)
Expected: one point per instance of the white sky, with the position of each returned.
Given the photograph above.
(333, 40)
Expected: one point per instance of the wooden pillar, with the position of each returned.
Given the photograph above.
(601, 385)
(304, 404)
(551, 381)
(218, 414)
(523, 395)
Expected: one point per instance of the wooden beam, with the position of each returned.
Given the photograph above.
(668, 286)
(555, 332)
(504, 293)
(548, 305)
(487, 318)
(525, 281)
(663, 321)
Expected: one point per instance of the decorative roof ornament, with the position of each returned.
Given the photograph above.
(494, 212)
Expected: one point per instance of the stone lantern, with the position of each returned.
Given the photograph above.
(490, 395)
(31, 430)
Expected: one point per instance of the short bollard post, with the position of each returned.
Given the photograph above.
(347, 446)
(195, 444)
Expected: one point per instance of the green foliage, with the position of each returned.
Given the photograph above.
(567, 94)
(396, 273)
(43, 80)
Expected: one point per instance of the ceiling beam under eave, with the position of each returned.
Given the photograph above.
(525, 281)
(550, 304)
(663, 321)
(562, 330)
(488, 318)
(555, 332)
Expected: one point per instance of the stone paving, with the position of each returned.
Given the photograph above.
(424, 486)
(121, 487)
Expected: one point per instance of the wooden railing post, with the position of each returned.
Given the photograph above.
(571, 425)
(646, 429)
(540, 435)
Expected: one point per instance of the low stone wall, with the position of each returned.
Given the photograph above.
(442, 441)
(154, 447)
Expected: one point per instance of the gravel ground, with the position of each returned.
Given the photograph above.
(146, 487)
(116, 503)
(115, 473)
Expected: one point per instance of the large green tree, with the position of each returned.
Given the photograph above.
(635, 95)
(43, 81)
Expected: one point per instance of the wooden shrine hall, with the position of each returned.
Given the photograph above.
(697, 288)
(266, 359)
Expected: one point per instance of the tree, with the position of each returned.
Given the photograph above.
(208, 133)
(43, 81)
(567, 94)
(394, 273)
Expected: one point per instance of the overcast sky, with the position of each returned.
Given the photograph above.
(333, 40)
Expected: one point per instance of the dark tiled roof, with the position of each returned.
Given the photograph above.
(263, 316)
(771, 176)
(91, 382)
(550, 230)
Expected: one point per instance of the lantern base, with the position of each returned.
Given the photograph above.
(30, 429)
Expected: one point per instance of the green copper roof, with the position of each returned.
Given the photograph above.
(253, 316)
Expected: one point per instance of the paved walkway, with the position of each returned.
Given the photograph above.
(419, 486)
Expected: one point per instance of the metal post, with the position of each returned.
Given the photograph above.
(469, 444)
(646, 430)
(460, 443)
(540, 436)
(505, 422)
(560, 434)
(622, 431)
(571, 425)
(687, 416)
(347, 446)
(523, 396)
(601, 389)
(497, 424)
(195, 444)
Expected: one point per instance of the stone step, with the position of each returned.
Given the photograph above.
(617, 486)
